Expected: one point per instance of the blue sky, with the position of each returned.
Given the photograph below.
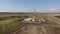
(28, 4)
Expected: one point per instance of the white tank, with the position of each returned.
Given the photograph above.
(27, 20)
(43, 20)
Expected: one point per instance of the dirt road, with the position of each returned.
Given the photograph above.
(39, 29)
(34, 29)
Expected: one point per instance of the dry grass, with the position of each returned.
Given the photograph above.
(52, 30)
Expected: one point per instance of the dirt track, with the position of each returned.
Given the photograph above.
(38, 29)
(32, 29)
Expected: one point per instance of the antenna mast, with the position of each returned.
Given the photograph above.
(34, 11)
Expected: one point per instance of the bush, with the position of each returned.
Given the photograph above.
(1, 19)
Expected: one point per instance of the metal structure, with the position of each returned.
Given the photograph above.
(33, 18)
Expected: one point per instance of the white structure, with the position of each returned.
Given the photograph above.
(27, 20)
(43, 20)
(35, 20)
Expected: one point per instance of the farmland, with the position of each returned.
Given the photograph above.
(10, 24)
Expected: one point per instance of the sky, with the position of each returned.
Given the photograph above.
(29, 5)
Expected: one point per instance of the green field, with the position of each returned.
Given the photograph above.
(10, 22)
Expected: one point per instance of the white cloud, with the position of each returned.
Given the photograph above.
(53, 9)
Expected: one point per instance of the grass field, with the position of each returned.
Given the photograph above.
(10, 22)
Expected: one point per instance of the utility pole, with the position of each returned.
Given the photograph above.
(34, 13)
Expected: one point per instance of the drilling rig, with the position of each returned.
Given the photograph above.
(34, 18)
